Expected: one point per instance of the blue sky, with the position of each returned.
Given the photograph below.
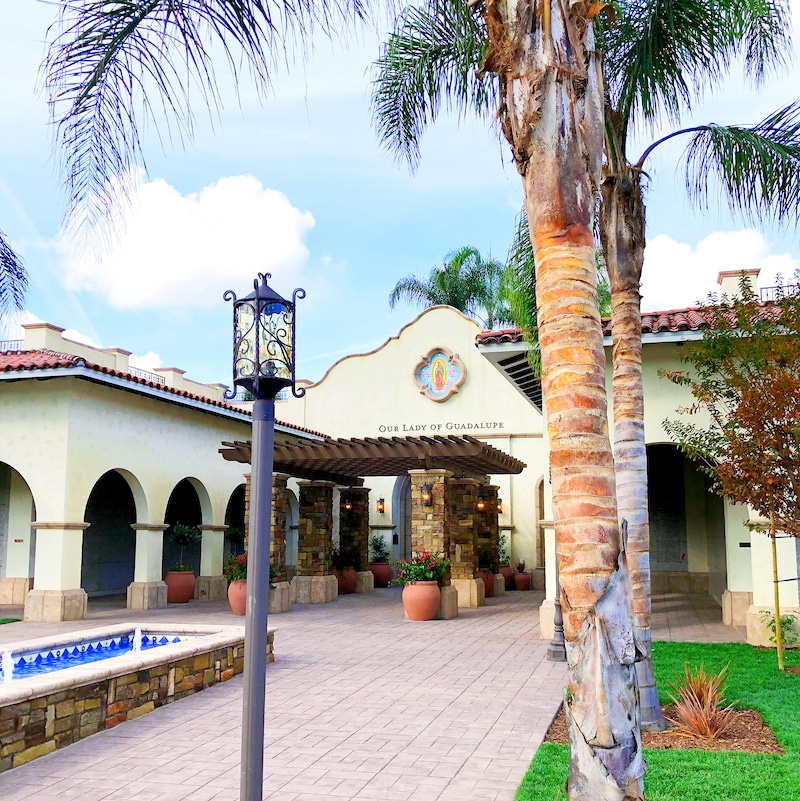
(298, 185)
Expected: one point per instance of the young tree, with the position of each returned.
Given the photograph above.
(745, 378)
(466, 281)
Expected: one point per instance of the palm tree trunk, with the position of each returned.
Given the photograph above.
(622, 227)
(553, 118)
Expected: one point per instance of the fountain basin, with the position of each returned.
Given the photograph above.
(42, 713)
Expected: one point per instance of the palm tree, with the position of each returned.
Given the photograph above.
(549, 86)
(650, 50)
(465, 281)
(13, 278)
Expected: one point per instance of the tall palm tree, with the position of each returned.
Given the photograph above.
(13, 277)
(550, 92)
(652, 50)
(466, 281)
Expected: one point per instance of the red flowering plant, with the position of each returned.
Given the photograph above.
(421, 567)
(236, 567)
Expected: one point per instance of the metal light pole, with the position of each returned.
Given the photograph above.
(263, 364)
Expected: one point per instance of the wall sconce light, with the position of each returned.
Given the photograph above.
(481, 504)
(380, 506)
(348, 504)
(499, 506)
(427, 495)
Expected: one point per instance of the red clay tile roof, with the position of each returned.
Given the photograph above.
(658, 322)
(33, 360)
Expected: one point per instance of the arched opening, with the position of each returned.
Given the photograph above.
(109, 543)
(17, 537)
(184, 507)
(292, 521)
(687, 526)
(401, 517)
(234, 520)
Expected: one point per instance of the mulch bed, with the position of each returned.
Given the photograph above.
(748, 732)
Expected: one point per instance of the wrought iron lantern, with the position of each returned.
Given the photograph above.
(348, 503)
(481, 503)
(380, 506)
(499, 506)
(263, 340)
(427, 495)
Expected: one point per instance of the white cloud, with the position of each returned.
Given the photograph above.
(150, 361)
(178, 250)
(11, 324)
(82, 339)
(677, 274)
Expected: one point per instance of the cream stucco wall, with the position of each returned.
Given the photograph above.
(374, 395)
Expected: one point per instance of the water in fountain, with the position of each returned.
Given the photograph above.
(137, 639)
(8, 666)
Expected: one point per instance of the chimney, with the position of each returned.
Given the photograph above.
(729, 281)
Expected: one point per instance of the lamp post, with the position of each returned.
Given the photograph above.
(263, 364)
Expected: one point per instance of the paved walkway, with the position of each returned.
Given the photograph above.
(362, 704)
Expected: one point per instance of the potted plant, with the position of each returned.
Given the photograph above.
(235, 571)
(420, 577)
(345, 568)
(180, 579)
(506, 571)
(522, 580)
(486, 572)
(379, 566)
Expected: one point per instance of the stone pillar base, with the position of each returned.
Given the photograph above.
(499, 585)
(147, 595)
(471, 592)
(547, 614)
(13, 590)
(211, 588)
(757, 631)
(448, 605)
(280, 599)
(315, 589)
(55, 605)
(366, 582)
(735, 606)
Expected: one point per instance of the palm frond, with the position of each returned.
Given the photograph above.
(433, 58)
(660, 55)
(522, 289)
(757, 167)
(13, 277)
(114, 65)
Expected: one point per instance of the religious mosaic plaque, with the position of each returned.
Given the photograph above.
(439, 374)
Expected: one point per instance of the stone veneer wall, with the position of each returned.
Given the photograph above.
(354, 524)
(429, 530)
(462, 495)
(315, 529)
(277, 543)
(38, 726)
(487, 528)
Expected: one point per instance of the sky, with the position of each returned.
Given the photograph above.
(297, 185)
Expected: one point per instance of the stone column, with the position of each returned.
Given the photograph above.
(429, 531)
(57, 573)
(148, 591)
(462, 529)
(277, 544)
(211, 584)
(313, 582)
(354, 532)
(488, 533)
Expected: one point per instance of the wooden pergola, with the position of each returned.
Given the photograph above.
(346, 461)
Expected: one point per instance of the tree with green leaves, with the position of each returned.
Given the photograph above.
(466, 281)
(745, 433)
(658, 58)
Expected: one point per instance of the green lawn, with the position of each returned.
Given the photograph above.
(691, 775)
(8, 620)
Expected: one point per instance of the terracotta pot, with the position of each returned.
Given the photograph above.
(348, 579)
(522, 581)
(382, 572)
(488, 580)
(180, 586)
(421, 600)
(508, 574)
(237, 596)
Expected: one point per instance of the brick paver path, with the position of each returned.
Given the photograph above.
(362, 704)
